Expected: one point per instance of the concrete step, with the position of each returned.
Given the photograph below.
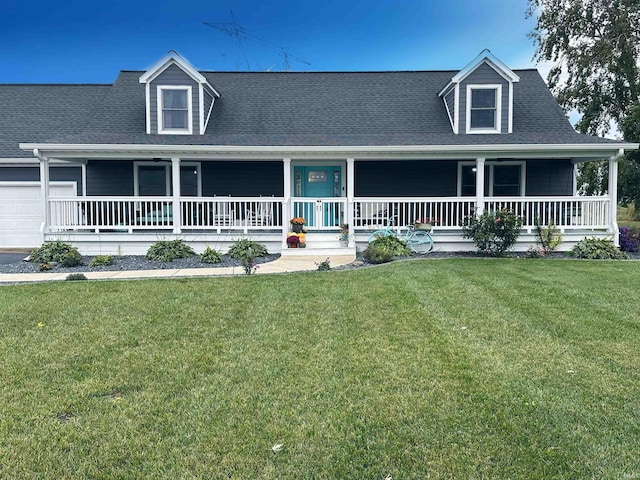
(309, 252)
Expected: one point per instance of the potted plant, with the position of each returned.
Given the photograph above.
(425, 223)
(293, 240)
(297, 224)
(344, 233)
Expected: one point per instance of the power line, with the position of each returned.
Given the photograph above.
(240, 34)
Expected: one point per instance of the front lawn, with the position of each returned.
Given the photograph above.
(462, 368)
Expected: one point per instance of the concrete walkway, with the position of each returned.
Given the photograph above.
(281, 265)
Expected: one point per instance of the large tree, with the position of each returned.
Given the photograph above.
(594, 46)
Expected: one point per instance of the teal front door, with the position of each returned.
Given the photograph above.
(318, 182)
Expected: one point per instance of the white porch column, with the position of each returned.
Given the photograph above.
(44, 193)
(351, 188)
(613, 197)
(286, 203)
(175, 179)
(479, 186)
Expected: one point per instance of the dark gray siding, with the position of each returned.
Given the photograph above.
(110, 178)
(242, 178)
(32, 174)
(174, 75)
(449, 99)
(208, 100)
(484, 74)
(403, 178)
(549, 177)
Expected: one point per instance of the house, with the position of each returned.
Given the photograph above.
(206, 156)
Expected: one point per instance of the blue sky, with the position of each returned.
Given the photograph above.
(89, 41)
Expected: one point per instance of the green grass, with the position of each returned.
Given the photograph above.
(626, 217)
(463, 368)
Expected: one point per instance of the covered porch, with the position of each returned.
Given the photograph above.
(184, 209)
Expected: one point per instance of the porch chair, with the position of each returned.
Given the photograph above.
(260, 214)
(367, 218)
(222, 213)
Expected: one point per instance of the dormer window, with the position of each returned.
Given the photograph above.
(174, 110)
(479, 98)
(483, 108)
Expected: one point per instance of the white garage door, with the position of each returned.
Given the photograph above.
(21, 211)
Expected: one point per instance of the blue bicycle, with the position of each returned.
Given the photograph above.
(418, 240)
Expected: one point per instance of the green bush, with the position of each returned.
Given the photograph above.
(58, 252)
(549, 237)
(385, 248)
(71, 259)
(378, 253)
(244, 248)
(597, 249)
(101, 261)
(324, 265)
(169, 250)
(210, 256)
(395, 245)
(494, 233)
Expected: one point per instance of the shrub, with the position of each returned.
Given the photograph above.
(101, 261)
(71, 259)
(377, 253)
(385, 248)
(494, 233)
(169, 250)
(597, 249)
(210, 256)
(75, 276)
(44, 267)
(243, 247)
(395, 245)
(58, 252)
(629, 239)
(324, 265)
(549, 237)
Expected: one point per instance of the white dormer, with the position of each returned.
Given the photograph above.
(479, 98)
(179, 99)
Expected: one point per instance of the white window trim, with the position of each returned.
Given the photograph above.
(175, 131)
(490, 164)
(167, 174)
(446, 106)
(498, 89)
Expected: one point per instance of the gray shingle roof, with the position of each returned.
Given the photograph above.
(278, 108)
(40, 112)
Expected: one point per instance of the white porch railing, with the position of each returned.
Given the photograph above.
(321, 213)
(565, 213)
(157, 213)
(449, 211)
(266, 213)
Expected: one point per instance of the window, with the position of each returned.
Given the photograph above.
(174, 110)
(501, 179)
(506, 180)
(483, 108)
(154, 179)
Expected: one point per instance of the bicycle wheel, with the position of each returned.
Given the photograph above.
(379, 234)
(420, 242)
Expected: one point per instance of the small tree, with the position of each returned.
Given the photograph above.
(494, 233)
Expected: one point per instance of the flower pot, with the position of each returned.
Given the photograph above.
(296, 227)
(423, 226)
(293, 245)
